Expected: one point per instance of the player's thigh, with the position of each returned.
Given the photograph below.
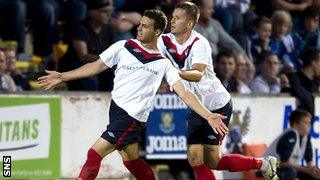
(212, 155)
(195, 154)
(130, 152)
(103, 147)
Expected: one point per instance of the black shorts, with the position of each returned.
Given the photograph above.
(199, 130)
(122, 129)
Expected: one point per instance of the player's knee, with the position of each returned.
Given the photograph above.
(129, 157)
(195, 160)
(212, 161)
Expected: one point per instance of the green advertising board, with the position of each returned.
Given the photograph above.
(30, 133)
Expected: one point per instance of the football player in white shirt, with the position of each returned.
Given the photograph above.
(191, 53)
(140, 70)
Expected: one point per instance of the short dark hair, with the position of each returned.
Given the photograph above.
(264, 55)
(297, 115)
(191, 9)
(160, 19)
(224, 53)
(310, 55)
(311, 12)
(259, 21)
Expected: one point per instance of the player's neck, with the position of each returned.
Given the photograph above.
(183, 37)
(150, 45)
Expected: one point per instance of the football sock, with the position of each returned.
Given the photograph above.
(237, 162)
(91, 168)
(140, 169)
(202, 172)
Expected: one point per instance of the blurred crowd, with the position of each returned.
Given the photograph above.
(256, 45)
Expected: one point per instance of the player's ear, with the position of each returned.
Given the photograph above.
(191, 24)
(157, 32)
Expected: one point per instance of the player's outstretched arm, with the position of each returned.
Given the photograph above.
(214, 119)
(54, 78)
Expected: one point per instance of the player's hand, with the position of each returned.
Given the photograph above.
(215, 121)
(51, 80)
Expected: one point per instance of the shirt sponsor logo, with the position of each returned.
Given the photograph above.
(147, 69)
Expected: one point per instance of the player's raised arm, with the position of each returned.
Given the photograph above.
(54, 78)
(214, 119)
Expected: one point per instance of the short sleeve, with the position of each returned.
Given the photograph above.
(201, 52)
(172, 74)
(286, 145)
(110, 56)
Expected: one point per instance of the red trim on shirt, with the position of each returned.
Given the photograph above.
(144, 53)
(173, 47)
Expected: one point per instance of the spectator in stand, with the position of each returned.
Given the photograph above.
(21, 83)
(303, 84)
(13, 13)
(212, 30)
(71, 12)
(263, 7)
(308, 27)
(127, 15)
(6, 82)
(290, 148)
(225, 68)
(294, 7)
(44, 15)
(90, 38)
(285, 44)
(259, 41)
(238, 13)
(244, 73)
(167, 8)
(44, 26)
(267, 7)
(268, 81)
(124, 22)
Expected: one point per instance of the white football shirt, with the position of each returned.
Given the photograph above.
(196, 50)
(138, 76)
